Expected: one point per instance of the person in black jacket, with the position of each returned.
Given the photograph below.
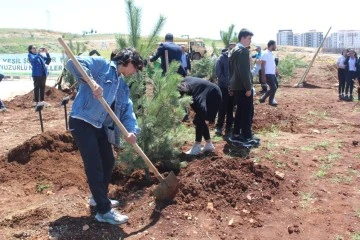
(226, 106)
(241, 87)
(174, 54)
(206, 100)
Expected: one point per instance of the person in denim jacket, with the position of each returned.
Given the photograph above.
(92, 127)
(39, 61)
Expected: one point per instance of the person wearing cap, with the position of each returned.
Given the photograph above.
(93, 129)
(226, 105)
(257, 68)
(174, 54)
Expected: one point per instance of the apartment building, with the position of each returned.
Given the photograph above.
(312, 38)
(284, 37)
(345, 39)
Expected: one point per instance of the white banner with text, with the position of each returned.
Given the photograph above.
(19, 65)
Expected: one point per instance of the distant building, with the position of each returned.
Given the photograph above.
(346, 39)
(297, 41)
(285, 37)
(312, 38)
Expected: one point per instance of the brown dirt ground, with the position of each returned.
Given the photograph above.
(311, 138)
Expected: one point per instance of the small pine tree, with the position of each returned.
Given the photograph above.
(159, 113)
(155, 99)
(204, 68)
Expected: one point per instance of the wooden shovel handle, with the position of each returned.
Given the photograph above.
(109, 110)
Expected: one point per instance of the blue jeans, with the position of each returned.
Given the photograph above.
(98, 158)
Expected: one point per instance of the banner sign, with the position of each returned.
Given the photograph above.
(19, 65)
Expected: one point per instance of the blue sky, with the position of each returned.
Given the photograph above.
(197, 18)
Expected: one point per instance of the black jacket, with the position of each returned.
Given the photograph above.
(239, 69)
(174, 53)
(205, 94)
(222, 69)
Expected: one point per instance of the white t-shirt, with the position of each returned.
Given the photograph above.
(270, 66)
(340, 62)
(352, 66)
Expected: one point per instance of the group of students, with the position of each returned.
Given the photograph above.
(95, 133)
(348, 71)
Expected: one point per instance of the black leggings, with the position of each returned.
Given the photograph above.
(342, 80)
(201, 128)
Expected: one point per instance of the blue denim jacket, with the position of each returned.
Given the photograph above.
(87, 108)
(38, 64)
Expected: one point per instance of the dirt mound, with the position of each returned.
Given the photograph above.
(42, 147)
(49, 159)
(52, 96)
(268, 118)
(226, 183)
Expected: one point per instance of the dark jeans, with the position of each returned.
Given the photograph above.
(342, 80)
(226, 109)
(39, 88)
(98, 158)
(263, 85)
(244, 113)
(350, 75)
(201, 128)
(271, 81)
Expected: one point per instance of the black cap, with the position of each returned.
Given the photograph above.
(169, 37)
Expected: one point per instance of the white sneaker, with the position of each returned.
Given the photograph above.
(3, 109)
(114, 203)
(42, 103)
(46, 104)
(274, 102)
(112, 217)
(195, 150)
(209, 147)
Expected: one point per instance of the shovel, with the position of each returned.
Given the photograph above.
(168, 186)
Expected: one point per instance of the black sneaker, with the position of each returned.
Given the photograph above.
(228, 131)
(238, 139)
(351, 98)
(261, 100)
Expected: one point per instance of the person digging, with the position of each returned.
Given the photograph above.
(94, 130)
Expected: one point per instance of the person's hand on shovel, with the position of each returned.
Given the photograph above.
(131, 138)
(97, 90)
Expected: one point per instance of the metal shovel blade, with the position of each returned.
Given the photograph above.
(167, 188)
